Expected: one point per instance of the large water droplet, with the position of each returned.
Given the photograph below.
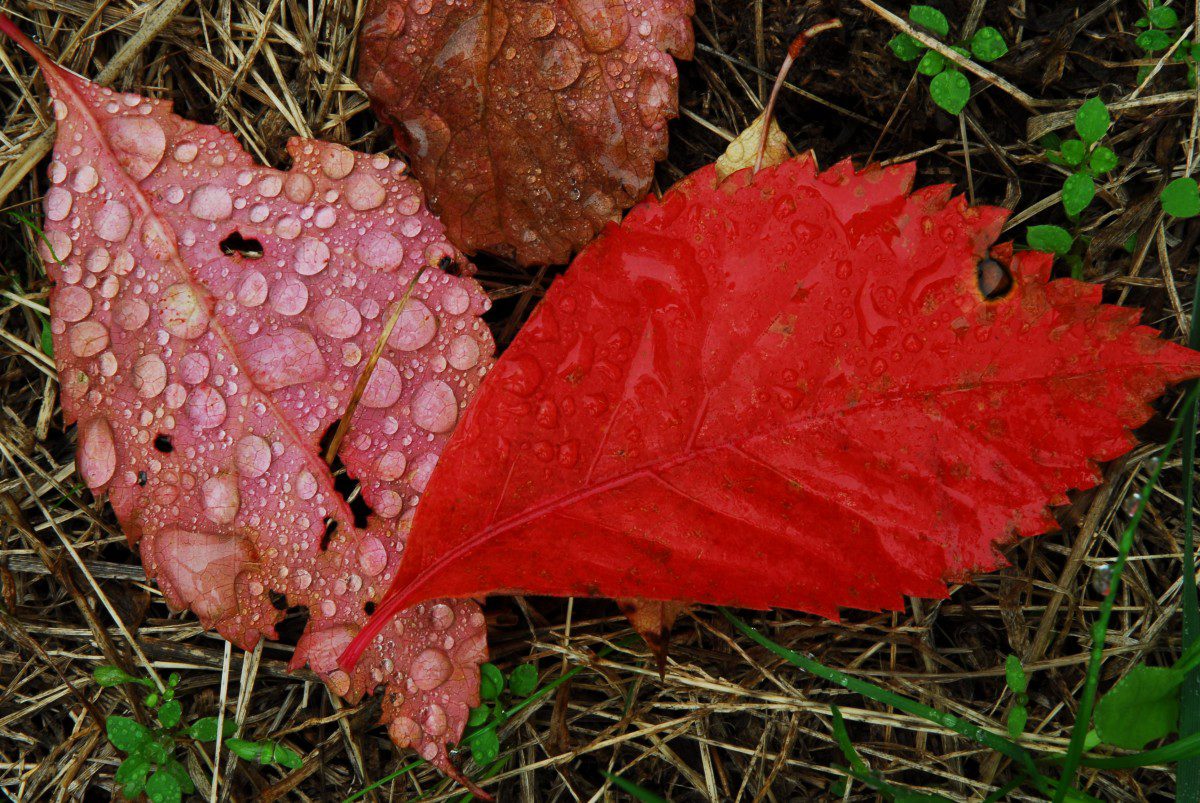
(380, 250)
(384, 386)
(336, 160)
(97, 454)
(434, 407)
(72, 304)
(372, 556)
(415, 327)
(221, 498)
(289, 297)
(139, 144)
(206, 407)
(88, 338)
(149, 376)
(430, 669)
(211, 202)
(58, 203)
(183, 313)
(363, 192)
(311, 256)
(338, 318)
(253, 456)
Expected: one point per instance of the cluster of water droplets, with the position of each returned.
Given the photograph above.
(567, 130)
(203, 378)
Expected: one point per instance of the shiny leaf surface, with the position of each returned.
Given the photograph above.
(786, 391)
(211, 318)
(529, 124)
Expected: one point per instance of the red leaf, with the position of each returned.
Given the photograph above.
(530, 125)
(783, 391)
(202, 381)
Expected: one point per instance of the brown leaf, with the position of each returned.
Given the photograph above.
(530, 124)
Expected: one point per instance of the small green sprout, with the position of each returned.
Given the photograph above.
(948, 87)
(151, 766)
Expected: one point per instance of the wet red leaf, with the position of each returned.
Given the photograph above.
(785, 391)
(203, 379)
(530, 124)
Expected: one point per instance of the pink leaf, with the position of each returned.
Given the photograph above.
(203, 380)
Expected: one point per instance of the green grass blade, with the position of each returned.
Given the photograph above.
(1188, 774)
(909, 706)
(632, 789)
(1087, 702)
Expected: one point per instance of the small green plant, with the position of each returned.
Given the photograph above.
(1018, 715)
(859, 770)
(948, 87)
(150, 766)
(1143, 706)
(1181, 198)
(484, 720)
(1161, 29)
(1087, 157)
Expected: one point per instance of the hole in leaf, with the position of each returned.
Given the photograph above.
(142, 479)
(994, 279)
(292, 627)
(235, 243)
(279, 601)
(449, 265)
(344, 484)
(330, 527)
(369, 608)
(163, 443)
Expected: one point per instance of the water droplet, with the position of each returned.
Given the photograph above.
(430, 669)
(206, 407)
(306, 485)
(441, 616)
(390, 467)
(221, 498)
(311, 256)
(464, 352)
(298, 187)
(434, 407)
(404, 732)
(211, 202)
(253, 455)
(186, 152)
(183, 314)
(86, 179)
(58, 203)
(384, 386)
(415, 327)
(113, 221)
(138, 143)
(336, 160)
(97, 454)
(289, 297)
(561, 63)
(380, 250)
(338, 318)
(88, 339)
(149, 376)
(372, 556)
(363, 192)
(72, 304)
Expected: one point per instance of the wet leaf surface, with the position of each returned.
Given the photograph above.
(529, 124)
(786, 391)
(211, 318)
